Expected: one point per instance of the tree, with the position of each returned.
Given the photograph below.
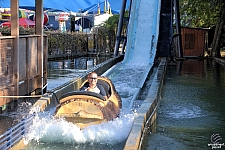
(112, 22)
(219, 6)
(205, 13)
(196, 14)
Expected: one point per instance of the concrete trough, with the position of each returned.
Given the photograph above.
(147, 112)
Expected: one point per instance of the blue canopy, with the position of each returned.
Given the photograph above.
(67, 5)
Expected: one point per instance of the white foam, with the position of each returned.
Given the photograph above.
(48, 129)
(185, 112)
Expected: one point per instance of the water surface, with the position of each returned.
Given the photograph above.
(192, 108)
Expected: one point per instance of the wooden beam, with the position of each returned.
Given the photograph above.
(14, 4)
(39, 31)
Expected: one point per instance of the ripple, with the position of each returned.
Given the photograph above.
(180, 112)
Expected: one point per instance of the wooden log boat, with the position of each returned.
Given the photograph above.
(85, 108)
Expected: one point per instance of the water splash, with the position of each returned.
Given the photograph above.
(49, 129)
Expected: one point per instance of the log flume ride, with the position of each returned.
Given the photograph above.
(85, 108)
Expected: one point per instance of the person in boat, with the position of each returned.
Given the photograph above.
(92, 85)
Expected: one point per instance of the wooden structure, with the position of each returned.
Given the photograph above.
(29, 78)
(22, 58)
(194, 41)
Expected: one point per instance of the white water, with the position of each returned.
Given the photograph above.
(47, 129)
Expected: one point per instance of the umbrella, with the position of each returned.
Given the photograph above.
(22, 22)
(22, 14)
(45, 16)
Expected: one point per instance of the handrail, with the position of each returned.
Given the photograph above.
(14, 134)
(7, 37)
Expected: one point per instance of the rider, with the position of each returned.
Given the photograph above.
(93, 86)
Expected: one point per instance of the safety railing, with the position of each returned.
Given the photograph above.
(14, 134)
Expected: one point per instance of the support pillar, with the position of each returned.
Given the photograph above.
(39, 31)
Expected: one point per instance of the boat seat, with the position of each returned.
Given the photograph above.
(106, 86)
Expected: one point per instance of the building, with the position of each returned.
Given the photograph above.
(194, 41)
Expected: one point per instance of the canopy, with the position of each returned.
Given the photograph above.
(22, 22)
(69, 5)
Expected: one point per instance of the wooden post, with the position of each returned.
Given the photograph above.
(15, 32)
(177, 15)
(39, 31)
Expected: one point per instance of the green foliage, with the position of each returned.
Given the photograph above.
(205, 14)
(102, 38)
(112, 22)
(197, 13)
(201, 13)
(22, 30)
(66, 42)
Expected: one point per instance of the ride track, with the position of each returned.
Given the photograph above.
(143, 30)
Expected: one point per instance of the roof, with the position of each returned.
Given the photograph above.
(70, 5)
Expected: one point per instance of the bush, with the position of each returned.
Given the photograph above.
(101, 40)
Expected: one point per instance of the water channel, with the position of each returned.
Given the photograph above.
(192, 108)
(50, 133)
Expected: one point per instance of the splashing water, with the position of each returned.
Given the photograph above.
(49, 129)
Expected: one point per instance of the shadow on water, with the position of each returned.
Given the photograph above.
(191, 108)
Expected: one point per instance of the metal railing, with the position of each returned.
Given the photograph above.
(14, 134)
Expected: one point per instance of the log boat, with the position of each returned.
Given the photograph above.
(85, 108)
